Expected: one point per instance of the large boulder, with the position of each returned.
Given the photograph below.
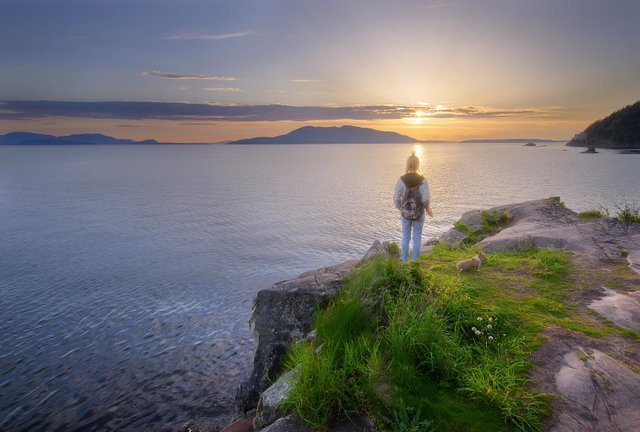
(284, 314)
(548, 223)
(268, 409)
(454, 237)
(384, 249)
(287, 424)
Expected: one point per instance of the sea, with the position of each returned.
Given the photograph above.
(127, 273)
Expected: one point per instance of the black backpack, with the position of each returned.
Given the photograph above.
(412, 207)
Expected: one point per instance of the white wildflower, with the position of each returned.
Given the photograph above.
(489, 326)
(473, 329)
(490, 319)
(479, 318)
(490, 338)
(478, 332)
(503, 334)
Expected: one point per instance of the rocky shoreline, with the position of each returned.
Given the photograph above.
(595, 381)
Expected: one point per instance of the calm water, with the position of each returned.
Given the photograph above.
(127, 273)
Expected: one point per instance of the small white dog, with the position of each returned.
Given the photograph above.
(471, 263)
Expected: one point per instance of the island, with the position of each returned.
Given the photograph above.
(619, 130)
(332, 135)
(29, 138)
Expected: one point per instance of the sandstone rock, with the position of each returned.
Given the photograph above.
(601, 394)
(384, 249)
(547, 223)
(621, 309)
(244, 424)
(281, 315)
(472, 219)
(287, 424)
(634, 260)
(268, 409)
(453, 237)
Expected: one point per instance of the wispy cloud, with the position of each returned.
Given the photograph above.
(435, 6)
(223, 89)
(209, 36)
(447, 111)
(197, 112)
(183, 76)
(304, 81)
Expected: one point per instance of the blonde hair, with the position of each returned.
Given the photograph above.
(413, 163)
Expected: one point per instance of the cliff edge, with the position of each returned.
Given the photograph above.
(594, 379)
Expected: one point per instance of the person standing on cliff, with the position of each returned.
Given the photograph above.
(412, 197)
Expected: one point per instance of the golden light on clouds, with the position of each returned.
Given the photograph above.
(419, 117)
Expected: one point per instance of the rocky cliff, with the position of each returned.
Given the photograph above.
(595, 380)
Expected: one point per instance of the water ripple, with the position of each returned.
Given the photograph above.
(127, 274)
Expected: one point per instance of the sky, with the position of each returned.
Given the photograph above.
(210, 70)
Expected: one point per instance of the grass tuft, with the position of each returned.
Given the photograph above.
(492, 222)
(628, 214)
(593, 214)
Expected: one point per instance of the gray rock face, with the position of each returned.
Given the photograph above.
(384, 249)
(284, 314)
(268, 409)
(547, 223)
(634, 260)
(455, 237)
(601, 394)
(287, 424)
(621, 309)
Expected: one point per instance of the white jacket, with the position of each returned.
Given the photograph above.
(401, 191)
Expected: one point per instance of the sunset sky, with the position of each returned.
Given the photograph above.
(207, 70)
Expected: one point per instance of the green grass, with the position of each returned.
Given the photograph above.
(492, 222)
(628, 214)
(593, 214)
(422, 347)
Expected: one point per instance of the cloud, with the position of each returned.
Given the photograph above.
(204, 36)
(181, 76)
(223, 89)
(435, 6)
(304, 81)
(448, 112)
(198, 112)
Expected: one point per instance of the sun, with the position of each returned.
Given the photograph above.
(419, 117)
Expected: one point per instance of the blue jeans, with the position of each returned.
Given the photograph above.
(407, 227)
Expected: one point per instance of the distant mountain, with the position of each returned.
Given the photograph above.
(28, 138)
(620, 130)
(332, 135)
(510, 140)
(18, 137)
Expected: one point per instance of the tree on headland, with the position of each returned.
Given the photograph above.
(618, 130)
